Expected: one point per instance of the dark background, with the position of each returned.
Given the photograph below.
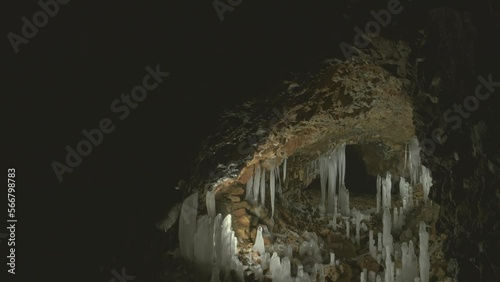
(65, 78)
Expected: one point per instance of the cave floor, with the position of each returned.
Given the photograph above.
(299, 214)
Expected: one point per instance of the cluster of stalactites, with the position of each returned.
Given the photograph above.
(256, 184)
(332, 173)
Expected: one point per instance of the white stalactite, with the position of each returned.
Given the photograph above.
(379, 195)
(256, 183)
(210, 203)
(284, 170)
(323, 172)
(414, 160)
(249, 189)
(272, 189)
(263, 187)
(332, 182)
(426, 180)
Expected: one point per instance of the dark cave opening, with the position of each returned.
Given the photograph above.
(357, 179)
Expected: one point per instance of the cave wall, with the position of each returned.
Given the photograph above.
(450, 49)
(462, 149)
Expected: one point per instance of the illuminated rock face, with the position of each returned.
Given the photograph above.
(344, 103)
(361, 104)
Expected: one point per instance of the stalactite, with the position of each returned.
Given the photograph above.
(272, 189)
(256, 183)
(379, 188)
(284, 169)
(263, 187)
(249, 189)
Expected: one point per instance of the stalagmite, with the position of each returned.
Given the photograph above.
(371, 276)
(344, 200)
(386, 221)
(300, 271)
(286, 270)
(187, 226)
(259, 242)
(358, 225)
(412, 262)
(423, 259)
(371, 244)
(389, 271)
(405, 269)
(203, 244)
(275, 265)
(398, 275)
(228, 244)
(238, 268)
(363, 276)
(217, 235)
